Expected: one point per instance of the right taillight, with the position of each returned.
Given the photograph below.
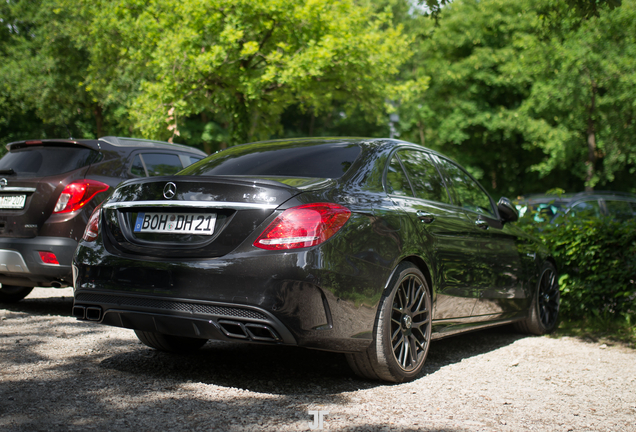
(92, 228)
(77, 194)
(303, 226)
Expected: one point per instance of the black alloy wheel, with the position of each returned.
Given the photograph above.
(12, 294)
(169, 343)
(548, 298)
(544, 314)
(402, 332)
(410, 323)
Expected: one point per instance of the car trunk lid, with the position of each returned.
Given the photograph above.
(193, 216)
(32, 176)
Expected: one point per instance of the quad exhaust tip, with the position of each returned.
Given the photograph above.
(250, 331)
(79, 312)
(91, 313)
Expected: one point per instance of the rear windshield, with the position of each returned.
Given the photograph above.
(285, 159)
(47, 161)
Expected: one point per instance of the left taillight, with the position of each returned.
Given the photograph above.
(303, 226)
(92, 227)
(77, 194)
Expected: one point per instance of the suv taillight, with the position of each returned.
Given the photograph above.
(92, 227)
(303, 226)
(75, 195)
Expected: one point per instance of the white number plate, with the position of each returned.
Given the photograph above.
(12, 202)
(175, 223)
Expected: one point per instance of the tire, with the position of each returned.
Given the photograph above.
(169, 343)
(544, 313)
(402, 330)
(12, 294)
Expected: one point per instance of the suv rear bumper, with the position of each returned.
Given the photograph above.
(21, 265)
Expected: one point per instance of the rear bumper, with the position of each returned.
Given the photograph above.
(297, 298)
(182, 317)
(20, 262)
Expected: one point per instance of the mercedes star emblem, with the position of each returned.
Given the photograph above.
(3, 183)
(169, 190)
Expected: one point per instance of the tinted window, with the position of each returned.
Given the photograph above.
(137, 167)
(330, 160)
(425, 179)
(193, 159)
(396, 181)
(621, 209)
(467, 192)
(159, 164)
(48, 161)
(586, 209)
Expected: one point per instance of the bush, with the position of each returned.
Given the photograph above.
(597, 265)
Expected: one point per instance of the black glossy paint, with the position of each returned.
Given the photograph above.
(482, 271)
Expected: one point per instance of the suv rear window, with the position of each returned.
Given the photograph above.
(48, 161)
(284, 159)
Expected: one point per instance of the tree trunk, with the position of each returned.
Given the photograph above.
(207, 146)
(99, 120)
(591, 140)
(312, 122)
(240, 121)
(420, 127)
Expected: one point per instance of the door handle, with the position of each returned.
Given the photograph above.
(482, 224)
(425, 217)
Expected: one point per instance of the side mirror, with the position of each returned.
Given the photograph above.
(507, 210)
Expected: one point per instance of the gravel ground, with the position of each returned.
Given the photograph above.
(60, 374)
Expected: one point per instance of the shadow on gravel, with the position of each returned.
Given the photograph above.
(288, 370)
(62, 306)
(142, 388)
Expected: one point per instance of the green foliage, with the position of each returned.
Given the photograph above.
(242, 63)
(529, 95)
(597, 264)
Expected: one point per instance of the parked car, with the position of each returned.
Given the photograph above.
(583, 205)
(370, 247)
(48, 189)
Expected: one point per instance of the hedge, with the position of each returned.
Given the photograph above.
(597, 265)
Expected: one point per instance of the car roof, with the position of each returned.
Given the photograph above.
(364, 142)
(110, 141)
(569, 198)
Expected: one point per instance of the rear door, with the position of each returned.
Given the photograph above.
(415, 184)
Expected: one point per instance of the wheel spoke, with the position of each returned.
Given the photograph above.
(399, 342)
(396, 333)
(419, 324)
(413, 345)
(410, 322)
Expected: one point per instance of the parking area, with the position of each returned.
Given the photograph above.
(60, 374)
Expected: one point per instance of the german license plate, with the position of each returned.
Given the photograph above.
(12, 201)
(175, 223)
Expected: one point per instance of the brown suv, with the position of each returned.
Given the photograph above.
(48, 189)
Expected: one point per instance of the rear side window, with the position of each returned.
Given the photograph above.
(621, 209)
(586, 209)
(396, 181)
(48, 161)
(426, 181)
(280, 159)
(155, 164)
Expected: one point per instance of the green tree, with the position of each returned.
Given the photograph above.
(509, 99)
(241, 63)
(43, 67)
(585, 84)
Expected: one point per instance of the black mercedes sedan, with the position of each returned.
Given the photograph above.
(369, 247)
